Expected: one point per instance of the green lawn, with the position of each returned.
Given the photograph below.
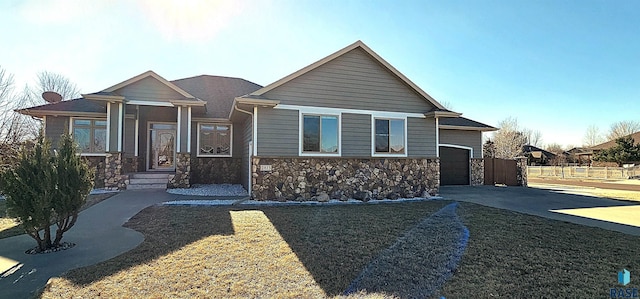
(316, 251)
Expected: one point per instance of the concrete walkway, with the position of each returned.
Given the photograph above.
(552, 204)
(98, 236)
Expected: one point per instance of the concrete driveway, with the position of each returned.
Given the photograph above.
(593, 211)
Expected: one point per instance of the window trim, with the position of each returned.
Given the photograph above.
(91, 154)
(198, 154)
(373, 136)
(301, 114)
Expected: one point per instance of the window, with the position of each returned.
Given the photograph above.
(214, 140)
(90, 134)
(320, 134)
(389, 136)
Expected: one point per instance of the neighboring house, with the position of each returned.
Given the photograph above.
(538, 156)
(348, 125)
(585, 155)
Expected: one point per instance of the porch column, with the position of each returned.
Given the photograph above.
(114, 178)
(183, 150)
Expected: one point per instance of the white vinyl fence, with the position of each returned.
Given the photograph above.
(583, 172)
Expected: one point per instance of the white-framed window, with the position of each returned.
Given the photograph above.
(215, 140)
(389, 136)
(319, 134)
(90, 135)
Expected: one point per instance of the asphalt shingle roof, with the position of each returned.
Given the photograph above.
(218, 92)
(75, 105)
(462, 122)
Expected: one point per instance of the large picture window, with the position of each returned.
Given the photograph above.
(214, 139)
(320, 134)
(390, 136)
(90, 134)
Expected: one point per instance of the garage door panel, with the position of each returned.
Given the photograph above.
(454, 166)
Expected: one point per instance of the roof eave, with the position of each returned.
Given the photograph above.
(106, 98)
(252, 102)
(440, 113)
(41, 113)
(483, 129)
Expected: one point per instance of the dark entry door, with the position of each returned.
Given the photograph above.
(454, 166)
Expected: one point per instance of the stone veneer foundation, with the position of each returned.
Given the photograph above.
(183, 171)
(97, 164)
(114, 178)
(521, 172)
(477, 171)
(303, 179)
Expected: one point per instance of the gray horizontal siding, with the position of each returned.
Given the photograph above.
(55, 126)
(472, 139)
(277, 132)
(352, 81)
(356, 135)
(148, 89)
(421, 137)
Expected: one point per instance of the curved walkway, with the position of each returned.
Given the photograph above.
(98, 235)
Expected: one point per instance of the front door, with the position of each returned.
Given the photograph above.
(162, 146)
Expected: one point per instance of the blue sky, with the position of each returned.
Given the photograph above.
(557, 66)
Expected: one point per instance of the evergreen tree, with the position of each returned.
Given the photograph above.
(74, 182)
(43, 189)
(29, 189)
(623, 151)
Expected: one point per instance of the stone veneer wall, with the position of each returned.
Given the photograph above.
(521, 172)
(98, 165)
(215, 170)
(183, 172)
(343, 178)
(113, 175)
(477, 171)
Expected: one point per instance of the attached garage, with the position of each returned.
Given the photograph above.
(454, 166)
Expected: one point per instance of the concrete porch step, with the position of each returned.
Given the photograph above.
(150, 175)
(148, 180)
(143, 181)
(146, 186)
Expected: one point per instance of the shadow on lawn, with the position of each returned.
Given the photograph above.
(335, 243)
(165, 231)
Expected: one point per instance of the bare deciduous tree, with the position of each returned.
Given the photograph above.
(623, 128)
(533, 137)
(555, 148)
(15, 127)
(48, 81)
(592, 136)
(508, 140)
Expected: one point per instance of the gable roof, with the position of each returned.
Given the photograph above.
(463, 123)
(219, 92)
(145, 75)
(357, 44)
(612, 143)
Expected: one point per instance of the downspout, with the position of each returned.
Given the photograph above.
(250, 150)
(437, 137)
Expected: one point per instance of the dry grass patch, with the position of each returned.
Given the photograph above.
(9, 227)
(218, 252)
(513, 255)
